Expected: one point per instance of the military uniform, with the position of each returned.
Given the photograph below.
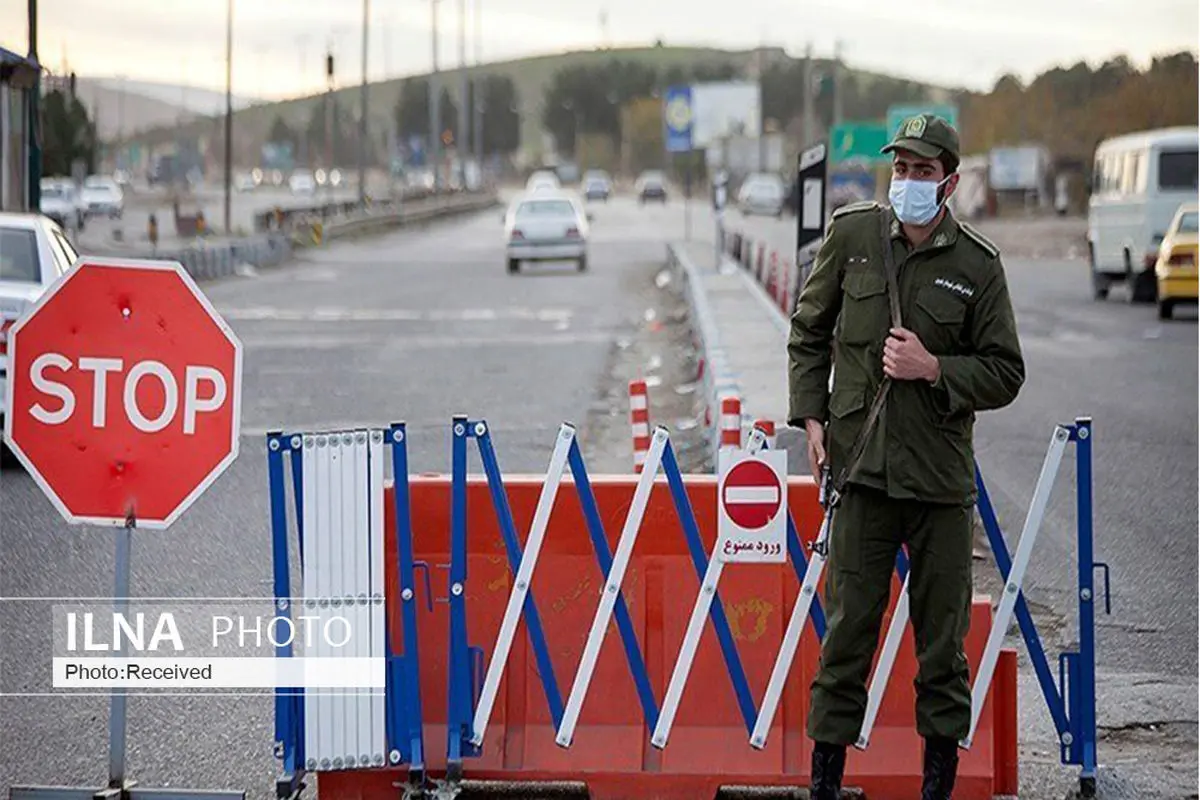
(915, 482)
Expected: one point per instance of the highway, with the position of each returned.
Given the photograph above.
(423, 323)
(416, 325)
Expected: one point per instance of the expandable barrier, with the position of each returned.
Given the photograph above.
(634, 549)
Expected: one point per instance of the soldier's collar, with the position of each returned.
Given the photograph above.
(944, 235)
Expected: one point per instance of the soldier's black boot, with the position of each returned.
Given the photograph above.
(941, 768)
(828, 764)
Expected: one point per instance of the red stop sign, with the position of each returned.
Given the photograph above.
(752, 495)
(124, 392)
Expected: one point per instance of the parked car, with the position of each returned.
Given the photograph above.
(762, 193)
(1176, 268)
(302, 182)
(102, 197)
(546, 226)
(597, 185)
(34, 253)
(651, 185)
(61, 202)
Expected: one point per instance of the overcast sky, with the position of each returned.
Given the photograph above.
(277, 43)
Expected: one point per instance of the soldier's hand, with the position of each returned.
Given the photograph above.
(816, 446)
(906, 359)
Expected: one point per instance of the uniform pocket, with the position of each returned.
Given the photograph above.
(941, 319)
(864, 307)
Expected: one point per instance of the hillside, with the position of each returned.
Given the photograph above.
(138, 106)
(530, 76)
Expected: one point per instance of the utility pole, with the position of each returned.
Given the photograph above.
(809, 127)
(435, 133)
(34, 186)
(329, 120)
(362, 122)
(228, 113)
(464, 103)
(480, 83)
(837, 82)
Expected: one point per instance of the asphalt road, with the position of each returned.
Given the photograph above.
(415, 325)
(1136, 377)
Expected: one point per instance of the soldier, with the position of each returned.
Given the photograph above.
(914, 305)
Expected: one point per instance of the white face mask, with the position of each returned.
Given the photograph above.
(915, 202)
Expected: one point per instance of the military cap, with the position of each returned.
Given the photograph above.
(926, 135)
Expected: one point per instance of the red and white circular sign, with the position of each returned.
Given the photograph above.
(752, 494)
(124, 392)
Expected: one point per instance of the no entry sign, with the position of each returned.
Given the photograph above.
(124, 393)
(752, 507)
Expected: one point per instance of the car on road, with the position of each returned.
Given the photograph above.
(302, 182)
(244, 182)
(1176, 267)
(762, 193)
(102, 197)
(546, 226)
(597, 185)
(651, 185)
(61, 202)
(34, 253)
(1139, 181)
(542, 180)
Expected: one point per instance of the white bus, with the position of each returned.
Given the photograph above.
(1138, 182)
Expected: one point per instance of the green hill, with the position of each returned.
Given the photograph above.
(530, 77)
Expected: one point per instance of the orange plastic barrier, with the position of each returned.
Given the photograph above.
(709, 745)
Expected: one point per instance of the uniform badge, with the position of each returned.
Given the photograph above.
(940, 240)
(915, 128)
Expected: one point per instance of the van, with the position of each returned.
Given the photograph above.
(1139, 180)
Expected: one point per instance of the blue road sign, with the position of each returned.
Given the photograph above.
(678, 117)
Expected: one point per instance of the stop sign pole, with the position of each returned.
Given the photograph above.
(123, 404)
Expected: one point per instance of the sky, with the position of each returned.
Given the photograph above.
(278, 43)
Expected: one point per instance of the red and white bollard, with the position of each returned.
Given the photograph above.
(783, 287)
(772, 282)
(767, 426)
(639, 419)
(731, 423)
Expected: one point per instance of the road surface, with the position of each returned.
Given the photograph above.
(415, 325)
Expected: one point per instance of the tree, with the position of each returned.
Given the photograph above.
(588, 99)
(345, 135)
(501, 119)
(412, 110)
(280, 133)
(67, 134)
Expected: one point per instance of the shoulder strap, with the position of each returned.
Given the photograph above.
(880, 400)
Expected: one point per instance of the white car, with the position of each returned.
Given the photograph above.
(546, 226)
(302, 182)
(34, 253)
(61, 203)
(102, 197)
(542, 180)
(762, 194)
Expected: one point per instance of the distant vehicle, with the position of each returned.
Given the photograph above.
(302, 182)
(34, 253)
(244, 182)
(651, 185)
(102, 197)
(542, 179)
(61, 203)
(546, 226)
(1138, 183)
(762, 193)
(1176, 267)
(597, 185)
(567, 172)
